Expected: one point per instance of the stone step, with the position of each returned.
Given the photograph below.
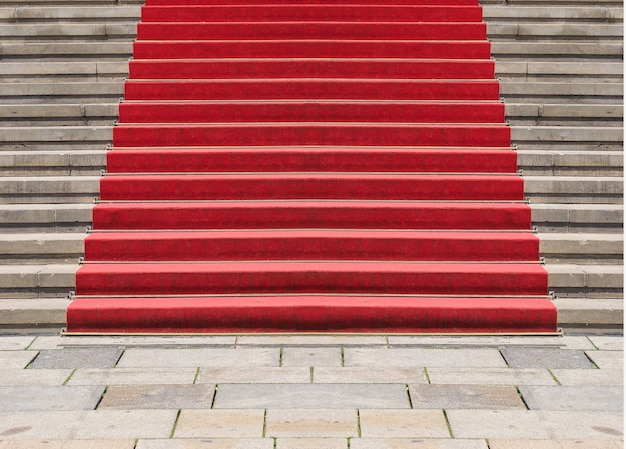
(586, 280)
(564, 248)
(571, 163)
(37, 280)
(559, 71)
(68, 71)
(99, 30)
(33, 314)
(573, 189)
(581, 115)
(551, 32)
(585, 314)
(68, 51)
(567, 138)
(48, 114)
(55, 138)
(558, 51)
(52, 163)
(49, 189)
(578, 218)
(53, 218)
(546, 13)
(42, 248)
(562, 92)
(69, 13)
(61, 93)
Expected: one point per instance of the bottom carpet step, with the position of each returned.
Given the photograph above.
(311, 314)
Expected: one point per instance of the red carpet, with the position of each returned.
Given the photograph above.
(311, 166)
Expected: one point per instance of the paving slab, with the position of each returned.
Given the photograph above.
(77, 358)
(573, 398)
(607, 359)
(69, 341)
(590, 377)
(565, 341)
(16, 359)
(208, 443)
(414, 443)
(312, 443)
(403, 424)
(33, 378)
(554, 444)
(311, 396)
(133, 376)
(536, 425)
(200, 357)
(490, 376)
(311, 357)
(49, 398)
(490, 397)
(523, 357)
(220, 424)
(15, 342)
(321, 423)
(373, 374)
(87, 424)
(311, 340)
(244, 374)
(160, 397)
(608, 342)
(423, 357)
(68, 444)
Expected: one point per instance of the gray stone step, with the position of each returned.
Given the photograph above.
(557, 51)
(68, 13)
(542, 114)
(49, 189)
(551, 32)
(567, 138)
(55, 138)
(571, 163)
(52, 218)
(21, 115)
(559, 71)
(52, 163)
(578, 218)
(33, 281)
(68, 51)
(40, 248)
(100, 30)
(68, 71)
(562, 92)
(25, 93)
(586, 280)
(545, 13)
(580, 314)
(573, 189)
(33, 314)
(583, 248)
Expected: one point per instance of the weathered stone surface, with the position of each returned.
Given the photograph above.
(49, 398)
(208, 443)
(16, 359)
(200, 357)
(490, 376)
(554, 444)
(545, 358)
(134, 341)
(68, 444)
(608, 342)
(536, 425)
(311, 443)
(607, 359)
(374, 374)
(220, 424)
(33, 378)
(311, 396)
(77, 358)
(573, 398)
(311, 357)
(403, 424)
(133, 376)
(15, 342)
(158, 397)
(590, 377)
(492, 341)
(311, 423)
(311, 340)
(300, 374)
(415, 443)
(87, 424)
(490, 397)
(423, 357)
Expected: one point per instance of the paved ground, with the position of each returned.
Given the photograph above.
(322, 392)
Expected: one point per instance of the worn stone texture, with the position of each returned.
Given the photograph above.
(322, 423)
(158, 397)
(423, 357)
(15, 342)
(208, 443)
(554, 444)
(77, 358)
(596, 377)
(16, 359)
(311, 357)
(490, 376)
(49, 398)
(333, 396)
(608, 342)
(403, 424)
(200, 357)
(133, 376)
(164, 341)
(607, 359)
(312, 443)
(33, 378)
(68, 444)
(311, 340)
(573, 398)
(415, 443)
(220, 424)
(87, 425)
(242, 374)
(490, 397)
(374, 374)
(519, 357)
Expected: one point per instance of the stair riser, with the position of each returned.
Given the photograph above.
(311, 68)
(249, 279)
(326, 215)
(340, 160)
(311, 134)
(311, 89)
(311, 112)
(286, 30)
(312, 49)
(343, 246)
(300, 187)
(297, 314)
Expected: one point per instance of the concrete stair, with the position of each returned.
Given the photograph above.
(61, 71)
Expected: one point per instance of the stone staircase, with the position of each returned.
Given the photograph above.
(61, 76)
